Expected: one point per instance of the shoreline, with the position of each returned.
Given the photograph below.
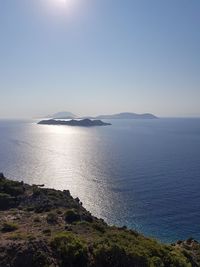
(51, 222)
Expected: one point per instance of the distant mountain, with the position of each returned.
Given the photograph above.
(62, 115)
(125, 115)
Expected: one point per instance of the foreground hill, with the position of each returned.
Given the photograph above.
(48, 228)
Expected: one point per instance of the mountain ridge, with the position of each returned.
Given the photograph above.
(62, 115)
(122, 115)
(128, 115)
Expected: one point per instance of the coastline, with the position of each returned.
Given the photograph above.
(50, 228)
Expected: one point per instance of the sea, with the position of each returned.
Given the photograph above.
(144, 174)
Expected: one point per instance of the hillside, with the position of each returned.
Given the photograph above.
(46, 227)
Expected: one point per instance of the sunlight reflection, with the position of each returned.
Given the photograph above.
(75, 162)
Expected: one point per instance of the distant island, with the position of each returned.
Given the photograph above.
(127, 115)
(82, 123)
(124, 115)
(62, 115)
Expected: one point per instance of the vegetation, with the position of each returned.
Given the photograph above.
(11, 188)
(72, 216)
(52, 217)
(70, 250)
(9, 227)
(48, 228)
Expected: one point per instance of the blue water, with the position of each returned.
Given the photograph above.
(141, 173)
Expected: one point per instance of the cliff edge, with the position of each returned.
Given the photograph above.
(49, 228)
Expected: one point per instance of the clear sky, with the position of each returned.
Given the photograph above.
(99, 56)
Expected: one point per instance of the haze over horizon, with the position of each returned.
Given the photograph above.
(95, 57)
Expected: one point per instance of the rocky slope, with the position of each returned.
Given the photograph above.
(48, 228)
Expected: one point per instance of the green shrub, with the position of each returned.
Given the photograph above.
(6, 201)
(4, 196)
(72, 216)
(40, 258)
(109, 255)
(17, 236)
(9, 227)
(37, 219)
(43, 207)
(36, 191)
(70, 250)
(59, 212)
(52, 218)
(121, 249)
(99, 227)
(30, 208)
(84, 224)
(47, 231)
(12, 188)
(22, 236)
(156, 262)
(176, 259)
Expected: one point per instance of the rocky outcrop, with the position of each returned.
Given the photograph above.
(45, 227)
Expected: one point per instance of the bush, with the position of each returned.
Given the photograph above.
(47, 231)
(12, 188)
(109, 255)
(176, 259)
(59, 212)
(37, 219)
(70, 250)
(6, 201)
(40, 258)
(9, 227)
(22, 236)
(42, 207)
(156, 262)
(52, 218)
(72, 216)
(99, 227)
(4, 196)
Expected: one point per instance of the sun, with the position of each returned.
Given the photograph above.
(61, 5)
(63, 1)
(66, 3)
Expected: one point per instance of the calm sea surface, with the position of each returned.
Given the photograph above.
(141, 173)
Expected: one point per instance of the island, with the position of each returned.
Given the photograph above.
(41, 227)
(127, 115)
(66, 115)
(82, 123)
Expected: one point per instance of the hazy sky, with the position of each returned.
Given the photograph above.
(99, 56)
